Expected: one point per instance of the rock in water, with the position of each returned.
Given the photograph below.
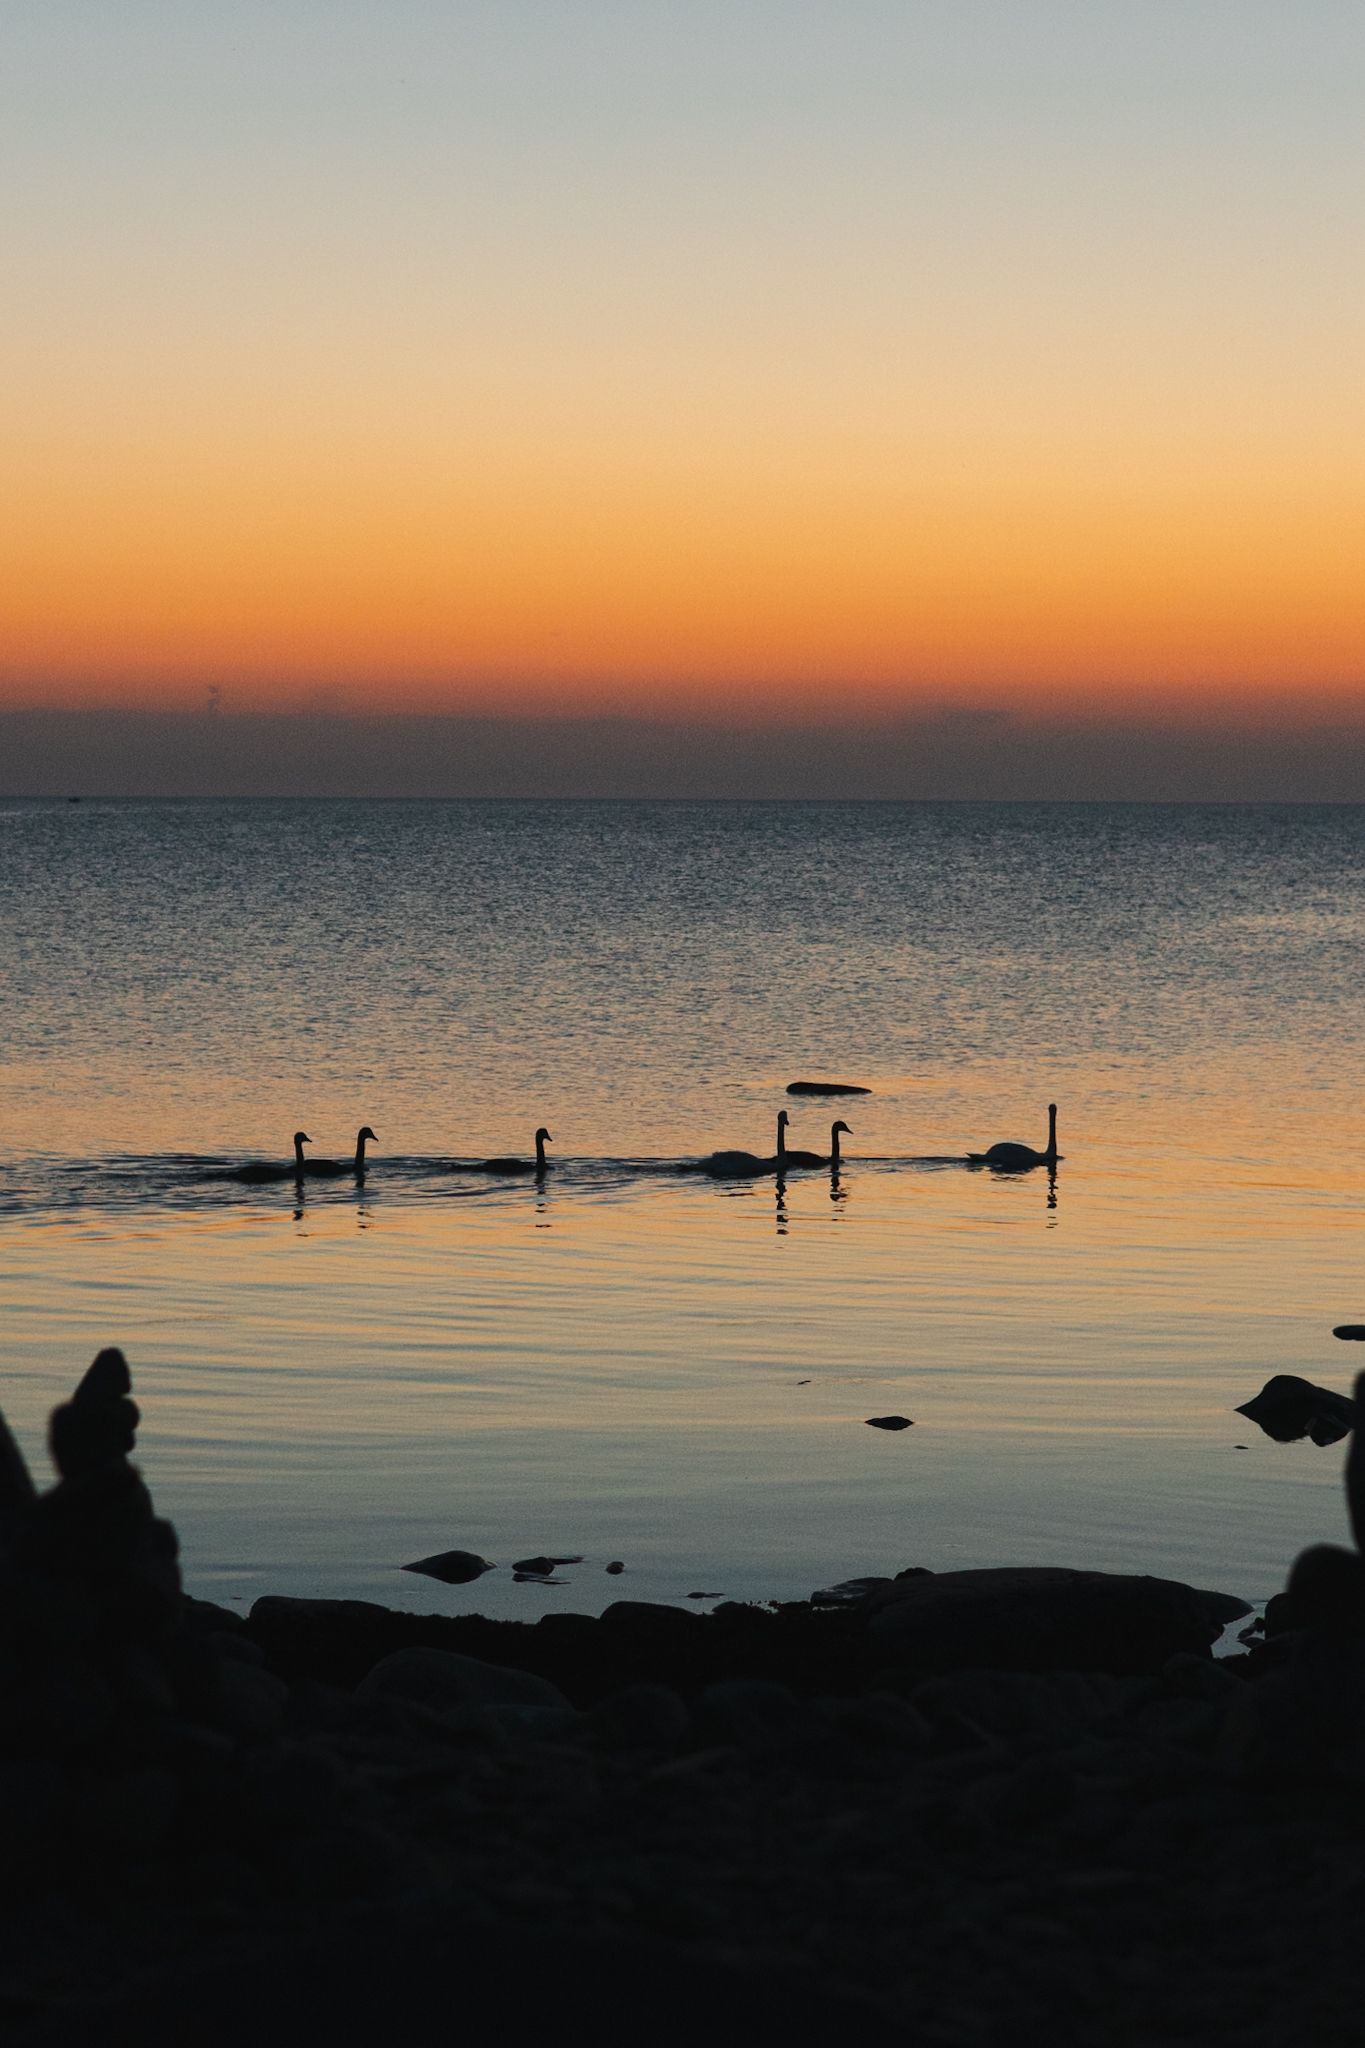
(451, 1567)
(889, 1422)
(1355, 1475)
(97, 1427)
(541, 1567)
(96, 1532)
(826, 1088)
(1288, 1408)
(1326, 1588)
(1353, 1333)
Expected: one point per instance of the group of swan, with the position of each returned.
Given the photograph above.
(259, 1170)
(1006, 1157)
(736, 1164)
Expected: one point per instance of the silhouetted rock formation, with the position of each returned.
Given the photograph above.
(89, 1583)
(974, 1806)
(1326, 1589)
(1288, 1408)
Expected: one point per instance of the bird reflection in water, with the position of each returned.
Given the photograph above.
(1052, 1194)
(781, 1188)
(837, 1191)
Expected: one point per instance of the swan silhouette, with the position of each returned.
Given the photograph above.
(736, 1164)
(1012, 1158)
(340, 1169)
(258, 1170)
(830, 1158)
(540, 1164)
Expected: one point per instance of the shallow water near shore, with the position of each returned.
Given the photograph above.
(638, 1364)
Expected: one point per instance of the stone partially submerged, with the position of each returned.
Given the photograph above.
(451, 1567)
(826, 1088)
(1289, 1408)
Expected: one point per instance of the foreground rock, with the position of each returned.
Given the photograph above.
(867, 1632)
(968, 1807)
(1041, 1619)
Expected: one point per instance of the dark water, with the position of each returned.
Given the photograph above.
(631, 1361)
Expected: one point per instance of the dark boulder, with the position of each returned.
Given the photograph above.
(1288, 1408)
(1040, 1618)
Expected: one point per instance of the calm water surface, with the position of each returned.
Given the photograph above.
(638, 1363)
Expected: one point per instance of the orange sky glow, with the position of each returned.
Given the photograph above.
(982, 401)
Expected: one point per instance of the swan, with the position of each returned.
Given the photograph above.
(257, 1170)
(830, 1158)
(339, 1169)
(1012, 1158)
(520, 1165)
(738, 1163)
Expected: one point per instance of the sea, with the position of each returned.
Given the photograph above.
(628, 1361)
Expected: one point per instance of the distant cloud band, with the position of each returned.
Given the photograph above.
(948, 754)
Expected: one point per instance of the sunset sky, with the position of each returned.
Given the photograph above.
(710, 361)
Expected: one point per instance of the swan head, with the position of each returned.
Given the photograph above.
(302, 1138)
(1052, 1109)
(543, 1137)
(366, 1132)
(782, 1117)
(841, 1126)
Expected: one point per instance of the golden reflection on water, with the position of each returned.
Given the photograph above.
(680, 1376)
(638, 1364)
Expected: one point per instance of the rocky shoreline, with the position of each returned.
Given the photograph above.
(966, 1807)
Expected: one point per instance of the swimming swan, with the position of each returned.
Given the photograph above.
(1012, 1158)
(258, 1170)
(341, 1169)
(830, 1158)
(520, 1165)
(725, 1164)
